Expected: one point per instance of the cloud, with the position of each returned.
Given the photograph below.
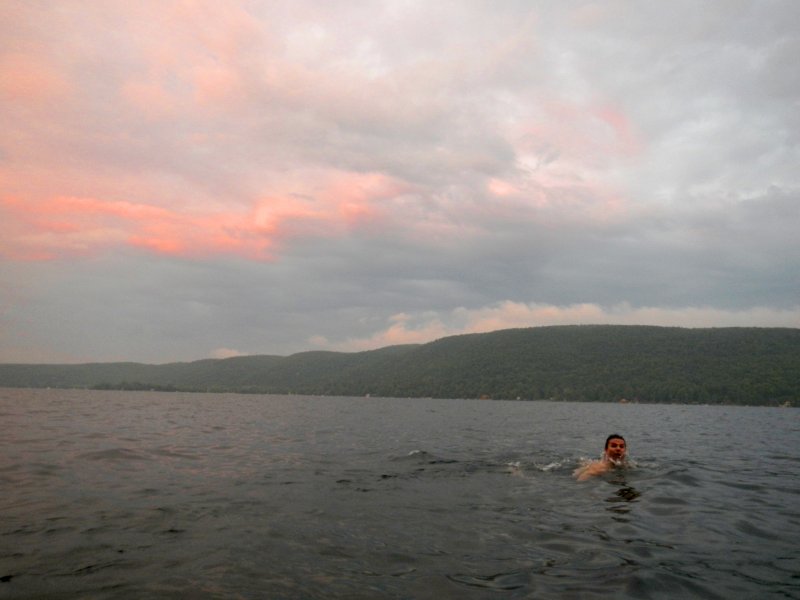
(226, 353)
(427, 327)
(31, 80)
(71, 226)
(218, 131)
(200, 174)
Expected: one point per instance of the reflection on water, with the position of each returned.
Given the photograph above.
(130, 495)
(622, 498)
(626, 494)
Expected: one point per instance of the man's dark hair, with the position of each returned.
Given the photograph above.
(614, 436)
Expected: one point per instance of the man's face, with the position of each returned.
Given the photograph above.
(615, 450)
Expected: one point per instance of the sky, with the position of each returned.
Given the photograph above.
(188, 179)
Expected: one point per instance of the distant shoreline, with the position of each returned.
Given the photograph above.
(787, 404)
(584, 363)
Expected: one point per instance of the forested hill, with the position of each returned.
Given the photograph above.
(583, 362)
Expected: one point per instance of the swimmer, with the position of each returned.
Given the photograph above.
(613, 457)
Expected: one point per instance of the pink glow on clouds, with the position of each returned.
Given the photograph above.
(28, 78)
(198, 58)
(628, 142)
(215, 85)
(70, 226)
(149, 98)
(212, 69)
(554, 202)
(201, 129)
(591, 135)
(419, 329)
(501, 188)
(564, 160)
(330, 204)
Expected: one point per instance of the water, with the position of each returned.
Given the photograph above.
(138, 495)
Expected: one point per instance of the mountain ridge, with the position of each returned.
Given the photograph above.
(735, 365)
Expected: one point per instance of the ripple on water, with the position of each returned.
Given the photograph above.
(116, 454)
(173, 452)
(277, 507)
(498, 581)
(748, 528)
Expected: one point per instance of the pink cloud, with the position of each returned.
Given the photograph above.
(626, 139)
(226, 353)
(400, 331)
(150, 98)
(422, 328)
(584, 136)
(332, 204)
(30, 79)
(217, 85)
(566, 163)
(219, 79)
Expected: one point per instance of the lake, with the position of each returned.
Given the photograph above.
(177, 495)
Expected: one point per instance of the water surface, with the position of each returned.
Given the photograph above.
(132, 495)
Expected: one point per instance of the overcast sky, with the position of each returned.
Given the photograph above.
(191, 179)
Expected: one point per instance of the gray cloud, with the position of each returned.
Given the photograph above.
(413, 170)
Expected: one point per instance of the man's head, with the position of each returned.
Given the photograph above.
(615, 447)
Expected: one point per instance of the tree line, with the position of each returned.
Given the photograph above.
(605, 363)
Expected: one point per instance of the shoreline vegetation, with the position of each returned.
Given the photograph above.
(589, 363)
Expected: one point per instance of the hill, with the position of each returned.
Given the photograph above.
(582, 362)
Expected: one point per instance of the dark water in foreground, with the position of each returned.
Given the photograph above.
(155, 495)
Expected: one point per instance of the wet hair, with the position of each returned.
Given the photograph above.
(614, 436)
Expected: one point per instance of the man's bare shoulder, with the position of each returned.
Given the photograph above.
(596, 467)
